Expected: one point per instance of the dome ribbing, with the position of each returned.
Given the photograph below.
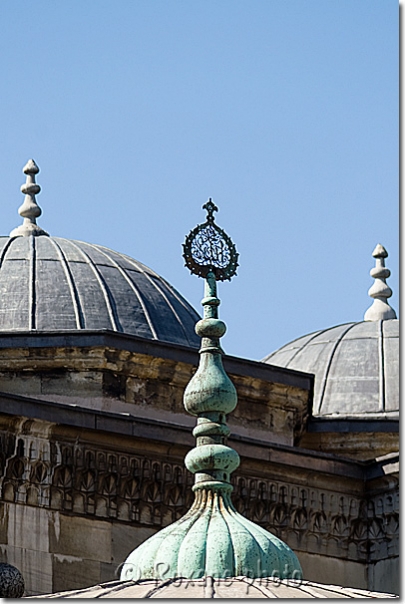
(55, 284)
(356, 365)
(212, 538)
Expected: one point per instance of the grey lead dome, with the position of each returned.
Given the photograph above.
(356, 365)
(55, 284)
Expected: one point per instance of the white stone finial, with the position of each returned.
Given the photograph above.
(29, 210)
(380, 310)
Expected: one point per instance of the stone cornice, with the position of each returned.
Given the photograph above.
(120, 341)
(317, 503)
(127, 425)
(354, 424)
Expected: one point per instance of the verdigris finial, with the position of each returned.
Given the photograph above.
(380, 310)
(29, 210)
(209, 252)
(209, 249)
(212, 539)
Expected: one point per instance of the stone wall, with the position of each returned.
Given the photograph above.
(130, 381)
(76, 502)
(355, 444)
(93, 437)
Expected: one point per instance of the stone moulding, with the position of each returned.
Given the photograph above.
(121, 372)
(95, 482)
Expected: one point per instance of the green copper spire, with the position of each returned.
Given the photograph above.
(212, 539)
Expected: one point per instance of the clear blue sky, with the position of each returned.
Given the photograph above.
(284, 111)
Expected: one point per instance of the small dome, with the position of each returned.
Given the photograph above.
(214, 540)
(229, 588)
(55, 284)
(356, 367)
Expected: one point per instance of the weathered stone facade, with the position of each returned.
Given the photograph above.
(124, 374)
(93, 437)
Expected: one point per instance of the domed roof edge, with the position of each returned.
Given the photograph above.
(79, 285)
(355, 367)
(311, 335)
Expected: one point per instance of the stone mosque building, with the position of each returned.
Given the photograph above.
(96, 351)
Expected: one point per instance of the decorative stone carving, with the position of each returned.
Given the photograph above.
(86, 480)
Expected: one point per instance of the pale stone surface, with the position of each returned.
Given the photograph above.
(352, 376)
(71, 573)
(27, 384)
(4, 523)
(29, 210)
(385, 575)
(380, 309)
(35, 567)
(179, 592)
(82, 537)
(282, 488)
(355, 445)
(28, 548)
(334, 571)
(123, 382)
(36, 537)
(145, 590)
(83, 385)
(125, 538)
(109, 572)
(236, 587)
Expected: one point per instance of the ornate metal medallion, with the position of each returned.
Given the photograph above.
(208, 248)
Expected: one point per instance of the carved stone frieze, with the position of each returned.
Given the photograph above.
(88, 480)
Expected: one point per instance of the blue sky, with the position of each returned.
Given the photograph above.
(285, 112)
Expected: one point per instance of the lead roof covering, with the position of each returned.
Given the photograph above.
(356, 367)
(56, 284)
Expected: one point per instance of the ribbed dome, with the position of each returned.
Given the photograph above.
(356, 367)
(54, 284)
(213, 540)
(237, 587)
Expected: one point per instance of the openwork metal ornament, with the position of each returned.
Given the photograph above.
(208, 248)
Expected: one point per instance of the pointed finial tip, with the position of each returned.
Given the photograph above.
(29, 210)
(380, 310)
(380, 251)
(210, 207)
(30, 167)
(208, 249)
